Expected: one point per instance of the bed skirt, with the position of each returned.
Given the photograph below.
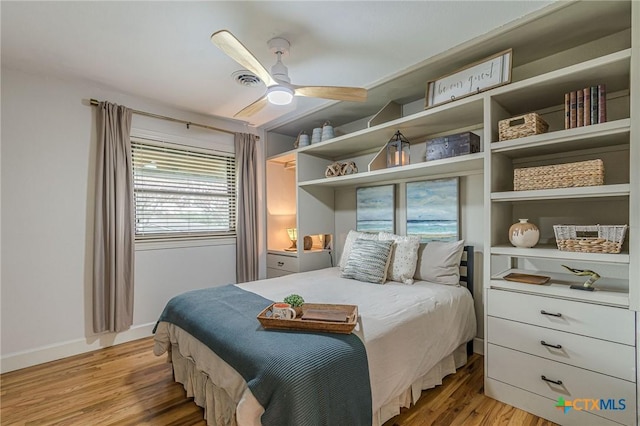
(227, 401)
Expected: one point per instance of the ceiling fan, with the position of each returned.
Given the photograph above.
(280, 91)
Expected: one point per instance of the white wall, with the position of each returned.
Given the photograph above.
(47, 165)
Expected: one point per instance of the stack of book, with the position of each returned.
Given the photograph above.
(585, 107)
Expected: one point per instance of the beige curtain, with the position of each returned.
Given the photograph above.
(247, 226)
(113, 251)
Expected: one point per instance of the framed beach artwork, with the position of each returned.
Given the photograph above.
(375, 208)
(432, 209)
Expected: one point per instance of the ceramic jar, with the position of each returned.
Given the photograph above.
(316, 135)
(327, 131)
(524, 234)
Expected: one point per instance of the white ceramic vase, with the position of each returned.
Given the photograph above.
(524, 234)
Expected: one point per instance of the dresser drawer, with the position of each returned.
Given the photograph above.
(574, 384)
(281, 262)
(602, 322)
(274, 273)
(613, 359)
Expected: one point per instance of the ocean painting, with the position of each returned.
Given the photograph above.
(375, 209)
(432, 209)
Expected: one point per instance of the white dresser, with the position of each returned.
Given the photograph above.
(543, 348)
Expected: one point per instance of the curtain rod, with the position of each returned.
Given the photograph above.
(94, 102)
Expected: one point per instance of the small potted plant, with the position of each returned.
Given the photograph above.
(296, 301)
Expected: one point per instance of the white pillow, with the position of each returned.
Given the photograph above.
(404, 256)
(348, 243)
(368, 261)
(440, 263)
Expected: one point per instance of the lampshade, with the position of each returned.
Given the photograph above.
(279, 95)
(398, 150)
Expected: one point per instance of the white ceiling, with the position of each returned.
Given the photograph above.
(162, 51)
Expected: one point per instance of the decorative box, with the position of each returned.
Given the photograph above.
(452, 146)
(521, 126)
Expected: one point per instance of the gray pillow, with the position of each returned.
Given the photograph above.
(368, 261)
(348, 243)
(440, 262)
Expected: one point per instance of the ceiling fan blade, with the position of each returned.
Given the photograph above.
(230, 45)
(353, 94)
(253, 108)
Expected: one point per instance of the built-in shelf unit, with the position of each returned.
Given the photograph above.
(541, 342)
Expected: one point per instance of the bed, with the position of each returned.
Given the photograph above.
(414, 336)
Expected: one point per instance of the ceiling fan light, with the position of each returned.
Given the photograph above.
(279, 95)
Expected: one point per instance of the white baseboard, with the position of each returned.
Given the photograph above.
(478, 345)
(18, 360)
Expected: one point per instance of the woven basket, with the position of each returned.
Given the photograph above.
(590, 238)
(521, 126)
(582, 173)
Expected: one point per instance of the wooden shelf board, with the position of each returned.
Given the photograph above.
(606, 134)
(559, 284)
(459, 166)
(552, 252)
(620, 190)
(454, 115)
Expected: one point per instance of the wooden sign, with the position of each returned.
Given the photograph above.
(491, 72)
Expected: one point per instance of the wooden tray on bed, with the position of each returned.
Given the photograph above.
(318, 317)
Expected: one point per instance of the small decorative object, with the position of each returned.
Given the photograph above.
(293, 236)
(308, 242)
(341, 169)
(296, 301)
(593, 277)
(524, 234)
(316, 135)
(327, 131)
(584, 107)
(452, 146)
(483, 75)
(397, 150)
(303, 140)
(521, 126)
(527, 278)
(348, 168)
(590, 238)
(569, 175)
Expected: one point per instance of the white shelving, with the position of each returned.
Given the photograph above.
(593, 43)
(456, 166)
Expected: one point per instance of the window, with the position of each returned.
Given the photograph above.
(182, 192)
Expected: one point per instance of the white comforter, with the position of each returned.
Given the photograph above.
(406, 329)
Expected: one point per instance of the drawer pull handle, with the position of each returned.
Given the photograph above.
(555, 382)
(280, 263)
(543, 312)
(543, 343)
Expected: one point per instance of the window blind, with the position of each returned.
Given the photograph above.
(182, 192)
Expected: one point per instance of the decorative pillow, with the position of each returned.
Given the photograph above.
(404, 256)
(368, 261)
(440, 263)
(351, 237)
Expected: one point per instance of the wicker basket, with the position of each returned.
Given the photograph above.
(582, 173)
(521, 126)
(590, 238)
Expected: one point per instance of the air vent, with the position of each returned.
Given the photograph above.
(246, 78)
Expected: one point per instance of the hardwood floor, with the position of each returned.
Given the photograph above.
(128, 385)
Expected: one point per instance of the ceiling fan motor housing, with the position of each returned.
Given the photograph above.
(280, 47)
